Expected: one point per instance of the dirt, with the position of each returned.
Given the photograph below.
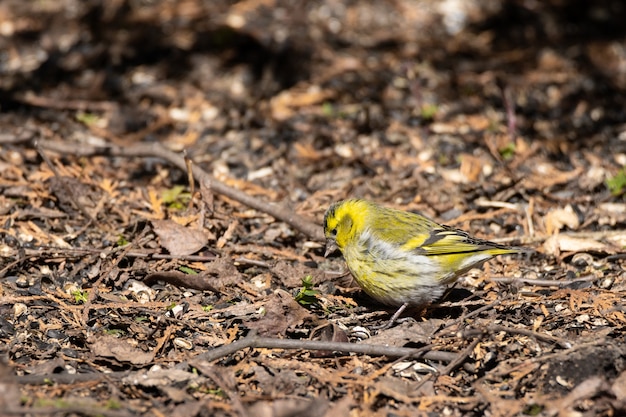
(164, 171)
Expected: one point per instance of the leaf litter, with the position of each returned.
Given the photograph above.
(119, 274)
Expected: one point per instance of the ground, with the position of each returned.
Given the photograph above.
(164, 171)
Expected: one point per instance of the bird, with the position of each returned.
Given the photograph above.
(401, 258)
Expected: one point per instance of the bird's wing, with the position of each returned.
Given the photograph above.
(430, 238)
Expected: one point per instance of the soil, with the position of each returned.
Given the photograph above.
(165, 167)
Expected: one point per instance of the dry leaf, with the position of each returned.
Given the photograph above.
(112, 347)
(564, 243)
(282, 312)
(177, 239)
(471, 167)
(160, 377)
(556, 219)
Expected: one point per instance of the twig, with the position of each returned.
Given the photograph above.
(584, 234)
(55, 103)
(255, 341)
(543, 282)
(54, 252)
(468, 316)
(69, 378)
(589, 388)
(460, 358)
(254, 262)
(66, 409)
(509, 106)
(307, 227)
(525, 332)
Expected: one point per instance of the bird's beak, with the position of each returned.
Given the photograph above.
(331, 246)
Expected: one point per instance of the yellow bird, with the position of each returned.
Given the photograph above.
(401, 258)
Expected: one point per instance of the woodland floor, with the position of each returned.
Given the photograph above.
(124, 266)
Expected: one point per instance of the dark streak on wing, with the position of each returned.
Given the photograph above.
(435, 236)
(477, 250)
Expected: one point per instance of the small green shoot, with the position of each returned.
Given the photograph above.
(80, 296)
(87, 118)
(208, 308)
(217, 392)
(307, 295)
(188, 270)
(176, 197)
(533, 410)
(617, 184)
(428, 112)
(508, 152)
(121, 241)
(328, 109)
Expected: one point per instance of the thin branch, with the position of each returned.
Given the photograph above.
(254, 341)
(51, 252)
(461, 357)
(69, 378)
(525, 332)
(543, 282)
(309, 228)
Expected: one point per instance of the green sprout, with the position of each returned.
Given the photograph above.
(176, 197)
(508, 152)
(121, 241)
(428, 111)
(307, 295)
(80, 296)
(533, 410)
(187, 270)
(617, 184)
(114, 332)
(87, 118)
(328, 109)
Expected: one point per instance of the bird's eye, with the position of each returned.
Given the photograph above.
(333, 232)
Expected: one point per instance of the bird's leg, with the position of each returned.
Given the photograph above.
(393, 318)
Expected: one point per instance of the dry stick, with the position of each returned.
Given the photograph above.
(70, 378)
(461, 357)
(525, 332)
(254, 341)
(454, 363)
(509, 105)
(51, 252)
(66, 409)
(604, 234)
(307, 227)
(543, 282)
(468, 316)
